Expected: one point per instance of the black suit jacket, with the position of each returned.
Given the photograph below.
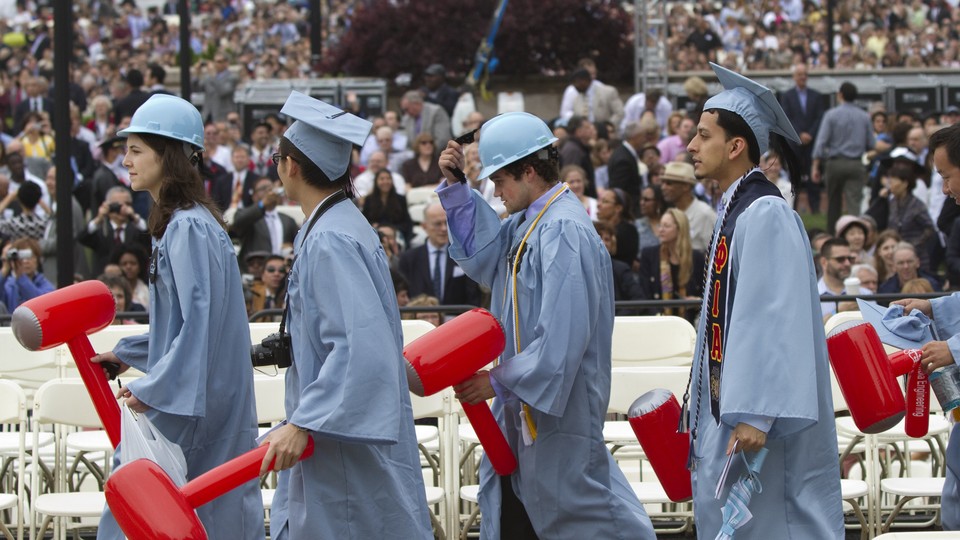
(415, 267)
(251, 229)
(804, 121)
(624, 171)
(24, 107)
(650, 273)
(103, 244)
(218, 184)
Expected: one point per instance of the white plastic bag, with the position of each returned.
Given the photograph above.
(139, 438)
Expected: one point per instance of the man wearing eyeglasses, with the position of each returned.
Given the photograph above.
(259, 227)
(836, 262)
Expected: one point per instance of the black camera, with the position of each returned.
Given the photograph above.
(274, 350)
(466, 138)
(115, 207)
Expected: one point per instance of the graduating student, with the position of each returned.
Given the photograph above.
(552, 288)
(347, 387)
(760, 377)
(945, 311)
(198, 387)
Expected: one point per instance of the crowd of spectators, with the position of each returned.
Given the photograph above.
(624, 159)
(775, 34)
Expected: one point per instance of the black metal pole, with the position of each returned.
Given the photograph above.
(316, 35)
(831, 6)
(183, 9)
(62, 47)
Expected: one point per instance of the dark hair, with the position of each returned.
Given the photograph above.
(157, 72)
(393, 212)
(574, 123)
(135, 78)
(263, 124)
(181, 186)
(399, 282)
(949, 139)
(135, 250)
(874, 116)
(905, 171)
(29, 194)
(658, 198)
(735, 126)
(119, 281)
(827, 247)
(604, 227)
(626, 205)
(849, 92)
(311, 173)
(545, 162)
(900, 132)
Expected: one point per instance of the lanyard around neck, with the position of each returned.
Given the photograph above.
(515, 265)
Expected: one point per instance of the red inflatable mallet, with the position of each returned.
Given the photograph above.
(453, 353)
(868, 380)
(654, 417)
(149, 506)
(67, 315)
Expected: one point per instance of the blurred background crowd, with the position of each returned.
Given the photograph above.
(883, 216)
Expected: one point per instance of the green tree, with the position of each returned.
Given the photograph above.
(536, 37)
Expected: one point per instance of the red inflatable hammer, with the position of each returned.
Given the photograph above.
(868, 380)
(66, 316)
(149, 506)
(450, 355)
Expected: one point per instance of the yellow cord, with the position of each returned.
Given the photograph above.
(531, 425)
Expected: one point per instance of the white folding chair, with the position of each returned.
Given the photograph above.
(626, 385)
(652, 341)
(414, 328)
(65, 404)
(435, 455)
(269, 395)
(13, 412)
(29, 369)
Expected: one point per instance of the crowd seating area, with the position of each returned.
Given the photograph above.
(891, 482)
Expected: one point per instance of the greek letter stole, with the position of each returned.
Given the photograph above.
(721, 285)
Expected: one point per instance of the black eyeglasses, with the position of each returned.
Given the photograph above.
(273, 269)
(276, 157)
(850, 259)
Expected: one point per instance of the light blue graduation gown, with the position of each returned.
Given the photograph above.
(775, 365)
(568, 481)
(348, 386)
(199, 380)
(946, 315)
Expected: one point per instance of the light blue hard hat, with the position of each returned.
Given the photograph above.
(168, 116)
(509, 137)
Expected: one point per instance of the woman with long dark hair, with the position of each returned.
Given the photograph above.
(198, 387)
(132, 261)
(614, 208)
(384, 206)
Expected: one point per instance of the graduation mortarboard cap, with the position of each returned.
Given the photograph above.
(753, 102)
(896, 329)
(324, 133)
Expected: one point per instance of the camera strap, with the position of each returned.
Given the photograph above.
(327, 204)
